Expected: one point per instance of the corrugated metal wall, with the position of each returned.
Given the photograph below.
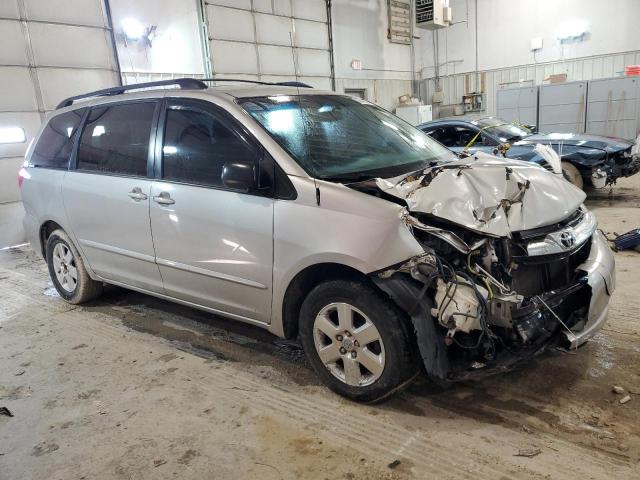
(586, 68)
(49, 50)
(278, 40)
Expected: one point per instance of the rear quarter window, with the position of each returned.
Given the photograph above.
(54, 146)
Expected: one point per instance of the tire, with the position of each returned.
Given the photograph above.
(388, 361)
(63, 260)
(572, 174)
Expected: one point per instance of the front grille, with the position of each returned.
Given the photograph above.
(539, 233)
(536, 275)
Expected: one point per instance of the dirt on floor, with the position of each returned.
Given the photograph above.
(134, 387)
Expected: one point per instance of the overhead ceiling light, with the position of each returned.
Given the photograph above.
(12, 135)
(132, 28)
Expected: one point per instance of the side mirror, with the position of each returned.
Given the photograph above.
(239, 175)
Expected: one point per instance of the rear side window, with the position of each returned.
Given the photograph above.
(196, 146)
(54, 146)
(115, 139)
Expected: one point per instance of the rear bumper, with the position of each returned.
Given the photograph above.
(600, 271)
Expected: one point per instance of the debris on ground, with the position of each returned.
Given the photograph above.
(617, 389)
(394, 464)
(528, 452)
(19, 372)
(6, 412)
(158, 462)
(628, 241)
(625, 399)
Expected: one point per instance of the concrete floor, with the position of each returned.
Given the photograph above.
(132, 387)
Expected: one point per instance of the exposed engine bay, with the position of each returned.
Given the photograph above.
(487, 293)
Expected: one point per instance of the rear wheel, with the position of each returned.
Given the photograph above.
(67, 270)
(572, 174)
(356, 340)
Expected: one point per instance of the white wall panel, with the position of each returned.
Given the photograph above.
(312, 63)
(51, 50)
(234, 57)
(245, 4)
(270, 38)
(276, 60)
(230, 24)
(310, 9)
(78, 12)
(13, 50)
(59, 83)
(62, 45)
(9, 9)
(282, 7)
(273, 29)
(9, 171)
(11, 232)
(321, 83)
(18, 94)
(311, 35)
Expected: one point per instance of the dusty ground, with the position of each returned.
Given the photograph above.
(132, 387)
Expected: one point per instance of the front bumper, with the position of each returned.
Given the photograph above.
(601, 277)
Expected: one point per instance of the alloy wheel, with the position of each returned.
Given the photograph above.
(349, 344)
(64, 266)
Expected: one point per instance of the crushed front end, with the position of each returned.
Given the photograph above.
(482, 302)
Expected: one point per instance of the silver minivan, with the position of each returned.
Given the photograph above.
(320, 217)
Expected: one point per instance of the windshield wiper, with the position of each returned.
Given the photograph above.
(354, 177)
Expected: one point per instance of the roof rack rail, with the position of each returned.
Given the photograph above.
(258, 82)
(184, 83)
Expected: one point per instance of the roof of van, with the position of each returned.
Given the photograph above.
(189, 86)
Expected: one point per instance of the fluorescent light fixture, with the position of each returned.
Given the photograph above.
(12, 135)
(132, 28)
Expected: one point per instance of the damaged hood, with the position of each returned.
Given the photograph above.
(606, 144)
(488, 194)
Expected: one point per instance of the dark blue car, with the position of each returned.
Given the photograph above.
(586, 159)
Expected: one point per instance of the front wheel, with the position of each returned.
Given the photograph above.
(356, 340)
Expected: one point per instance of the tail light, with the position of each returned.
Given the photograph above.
(23, 175)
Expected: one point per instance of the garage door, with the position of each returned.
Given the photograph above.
(50, 50)
(562, 108)
(270, 40)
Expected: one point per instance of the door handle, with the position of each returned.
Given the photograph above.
(164, 199)
(137, 194)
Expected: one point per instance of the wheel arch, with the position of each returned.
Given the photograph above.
(303, 282)
(46, 229)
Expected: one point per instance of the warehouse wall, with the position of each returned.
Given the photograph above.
(49, 50)
(612, 29)
(601, 54)
(359, 33)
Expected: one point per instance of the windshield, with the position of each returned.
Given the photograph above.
(338, 138)
(503, 131)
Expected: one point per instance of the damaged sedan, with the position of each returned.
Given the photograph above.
(592, 160)
(320, 217)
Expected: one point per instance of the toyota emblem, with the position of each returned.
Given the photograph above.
(567, 239)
